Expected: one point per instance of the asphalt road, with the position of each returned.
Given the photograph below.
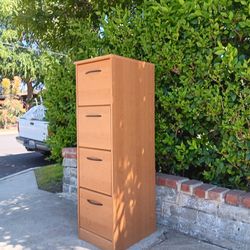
(15, 158)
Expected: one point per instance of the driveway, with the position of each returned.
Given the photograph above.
(15, 158)
(31, 219)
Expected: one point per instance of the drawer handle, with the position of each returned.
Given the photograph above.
(93, 159)
(93, 202)
(93, 115)
(92, 71)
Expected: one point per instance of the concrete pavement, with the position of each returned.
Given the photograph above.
(8, 131)
(35, 219)
(32, 219)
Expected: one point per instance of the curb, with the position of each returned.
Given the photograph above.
(19, 173)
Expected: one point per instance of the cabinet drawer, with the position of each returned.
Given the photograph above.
(94, 127)
(94, 82)
(96, 213)
(95, 170)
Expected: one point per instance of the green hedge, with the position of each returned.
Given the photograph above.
(201, 50)
(59, 99)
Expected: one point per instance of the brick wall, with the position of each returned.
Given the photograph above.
(218, 215)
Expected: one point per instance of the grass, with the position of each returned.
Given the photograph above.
(49, 178)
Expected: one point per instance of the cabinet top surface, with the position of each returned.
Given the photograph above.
(105, 57)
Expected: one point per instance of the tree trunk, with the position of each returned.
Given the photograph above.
(29, 91)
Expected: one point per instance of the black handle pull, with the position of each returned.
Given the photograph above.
(92, 71)
(93, 159)
(93, 202)
(31, 123)
(93, 115)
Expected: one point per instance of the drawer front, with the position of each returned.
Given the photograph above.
(94, 127)
(96, 213)
(102, 243)
(95, 170)
(94, 83)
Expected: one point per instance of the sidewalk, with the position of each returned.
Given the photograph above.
(8, 131)
(32, 219)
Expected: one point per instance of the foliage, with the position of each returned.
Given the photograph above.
(59, 99)
(59, 96)
(19, 56)
(11, 107)
(11, 87)
(15, 85)
(201, 52)
(50, 22)
(10, 111)
(49, 178)
(6, 86)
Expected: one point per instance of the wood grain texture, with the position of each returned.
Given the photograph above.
(95, 170)
(133, 151)
(93, 238)
(96, 213)
(78, 151)
(94, 80)
(126, 129)
(94, 127)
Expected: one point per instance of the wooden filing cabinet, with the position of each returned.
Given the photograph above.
(115, 147)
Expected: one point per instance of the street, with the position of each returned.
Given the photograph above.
(15, 158)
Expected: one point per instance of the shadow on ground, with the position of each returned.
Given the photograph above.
(35, 219)
(32, 219)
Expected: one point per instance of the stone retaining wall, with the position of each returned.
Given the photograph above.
(218, 215)
(69, 173)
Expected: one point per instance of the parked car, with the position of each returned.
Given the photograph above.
(33, 129)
